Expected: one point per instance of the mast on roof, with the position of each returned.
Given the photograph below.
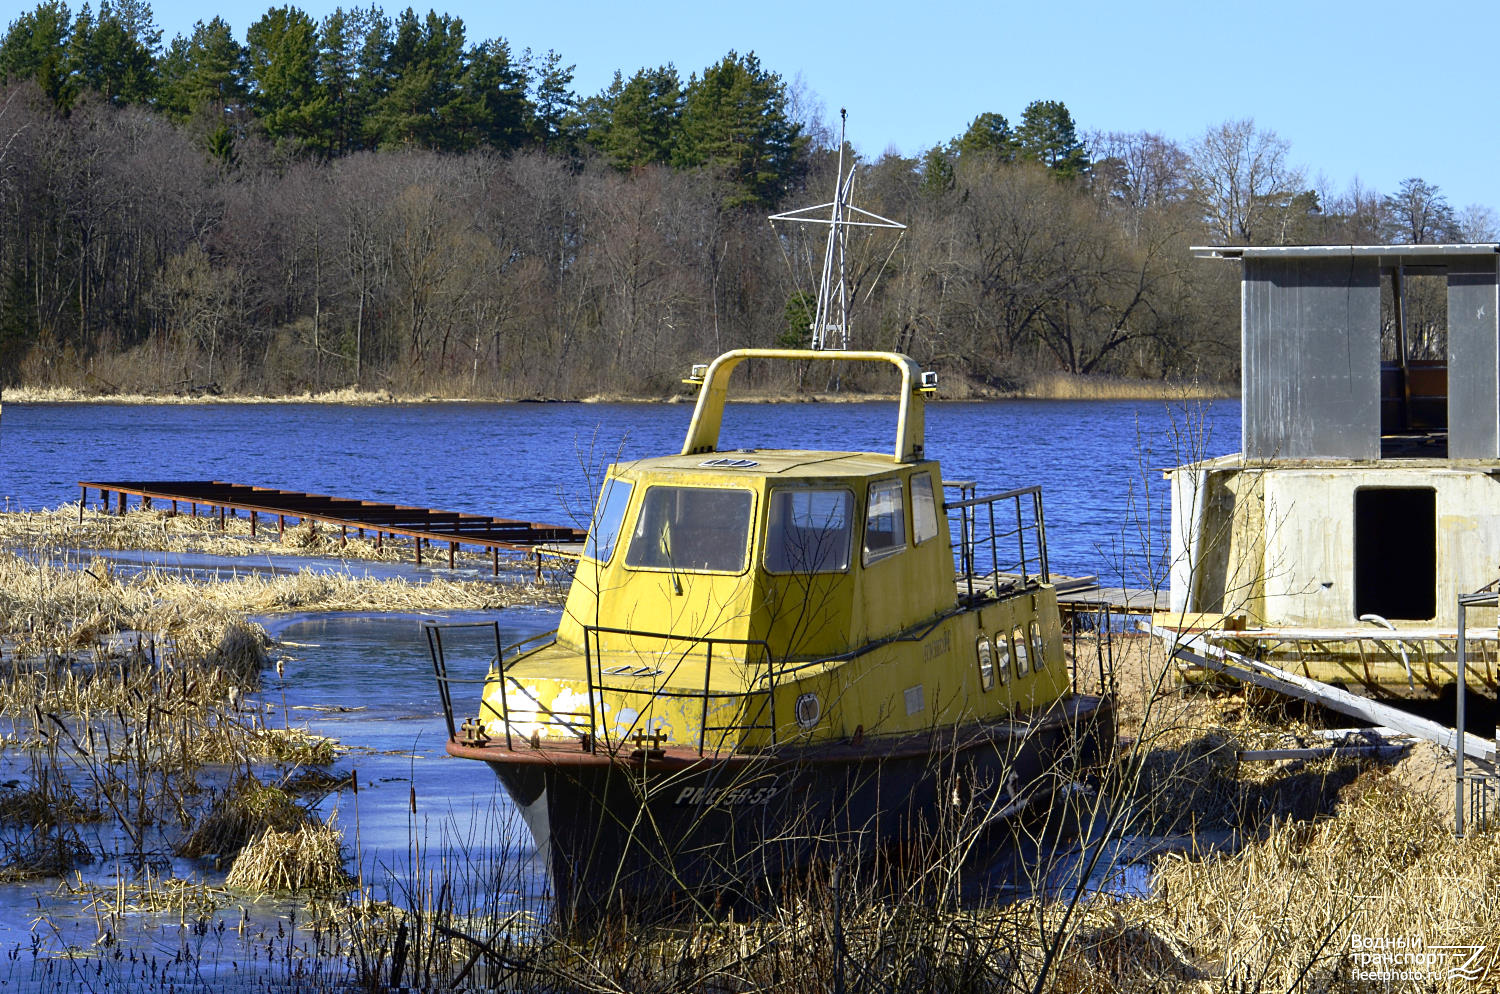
(830, 325)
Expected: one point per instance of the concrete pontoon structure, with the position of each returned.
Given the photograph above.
(1365, 498)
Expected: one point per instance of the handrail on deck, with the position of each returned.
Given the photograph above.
(979, 528)
(594, 658)
(589, 726)
(495, 668)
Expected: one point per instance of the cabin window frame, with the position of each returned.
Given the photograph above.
(1004, 653)
(1021, 657)
(932, 503)
(746, 559)
(984, 656)
(1038, 645)
(602, 516)
(850, 510)
(897, 485)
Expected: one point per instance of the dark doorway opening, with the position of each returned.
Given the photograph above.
(1395, 552)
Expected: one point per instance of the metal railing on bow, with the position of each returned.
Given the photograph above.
(751, 698)
(669, 662)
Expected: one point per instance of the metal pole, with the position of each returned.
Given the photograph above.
(1458, 787)
(1041, 538)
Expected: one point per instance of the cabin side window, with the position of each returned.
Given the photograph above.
(605, 531)
(809, 531)
(691, 529)
(885, 520)
(924, 517)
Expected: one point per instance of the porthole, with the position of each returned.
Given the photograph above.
(986, 656)
(1038, 648)
(809, 709)
(1002, 658)
(1023, 653)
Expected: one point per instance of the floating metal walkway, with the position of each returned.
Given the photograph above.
(422, 525)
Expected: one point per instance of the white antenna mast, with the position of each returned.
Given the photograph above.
(830, 326)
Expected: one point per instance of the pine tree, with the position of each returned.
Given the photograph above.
(425, 104)
(502, 114)
(636, 122)
(286, 94)
(735, 125)
(206, 71)
(36, 46)
(338, 57)
(115, 55)
(555, 124)
(988, 134)
(1048, 135)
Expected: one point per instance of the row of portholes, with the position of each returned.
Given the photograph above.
(1022, 647)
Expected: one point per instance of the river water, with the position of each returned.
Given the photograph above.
(1095, 460)
(1098, 462)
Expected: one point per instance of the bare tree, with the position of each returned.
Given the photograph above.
(1242, 182)
(1418, 214)
(1478, 223)
(1139, 172)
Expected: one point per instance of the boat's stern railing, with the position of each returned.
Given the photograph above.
(472, 732)
(1001, 539)
(667, 656)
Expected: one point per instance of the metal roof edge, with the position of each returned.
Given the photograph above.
(1344, 251)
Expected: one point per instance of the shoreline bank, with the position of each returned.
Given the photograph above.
(1055, 389)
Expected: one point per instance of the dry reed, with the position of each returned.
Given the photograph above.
(50, 606)
(305, 860)
(246, 809)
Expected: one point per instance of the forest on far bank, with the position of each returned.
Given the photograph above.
(381, 202)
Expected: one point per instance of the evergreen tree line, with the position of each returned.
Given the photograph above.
(376, 202)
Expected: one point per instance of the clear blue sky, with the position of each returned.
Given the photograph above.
(1378, 90)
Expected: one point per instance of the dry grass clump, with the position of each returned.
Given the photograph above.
(305, 860)
(1282, 913)
(247, 808)
(96, 687)
(1061, 386)
(48, 607)
(315, 781)
(160, 531)
(151, 893)
(45, 801)
(295, 747)
(45, 853)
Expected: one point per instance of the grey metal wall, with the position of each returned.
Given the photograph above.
(1311, 348)
(1473, 360)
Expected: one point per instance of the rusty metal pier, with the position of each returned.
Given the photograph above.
(422, 525)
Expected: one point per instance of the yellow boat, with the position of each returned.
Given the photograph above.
(768, 657)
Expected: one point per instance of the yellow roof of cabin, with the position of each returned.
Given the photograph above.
(783, 463)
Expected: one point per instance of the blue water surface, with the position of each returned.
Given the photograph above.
(1097, 461)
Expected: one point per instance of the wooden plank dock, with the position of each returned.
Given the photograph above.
(420, 524)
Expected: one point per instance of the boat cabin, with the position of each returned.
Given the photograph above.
(810, 552)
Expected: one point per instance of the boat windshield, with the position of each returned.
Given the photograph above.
(809, 531)
(691, 529)
(613, 500)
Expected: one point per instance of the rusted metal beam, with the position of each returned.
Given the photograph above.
(417, 523)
